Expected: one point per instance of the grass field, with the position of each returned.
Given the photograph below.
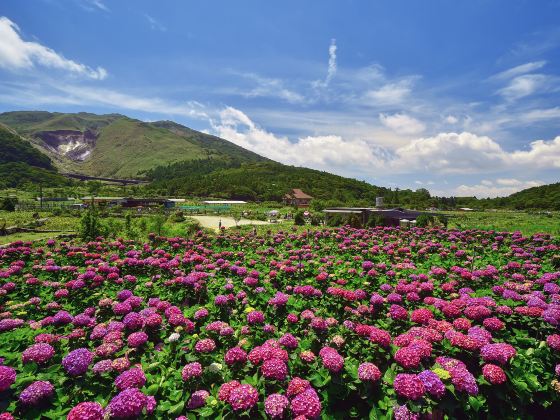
(527, 223)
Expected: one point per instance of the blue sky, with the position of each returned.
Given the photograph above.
(461, 98)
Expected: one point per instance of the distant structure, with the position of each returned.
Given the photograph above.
(391, 217)
(465, 209)
(297, 198)
(379, 202)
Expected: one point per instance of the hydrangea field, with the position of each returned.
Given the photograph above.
(334, 323)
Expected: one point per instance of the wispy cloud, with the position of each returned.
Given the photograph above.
(93, 5)
(154, 23)
(521, 69)
(55, 94)
(266, 87)
(332, 67)
(525, 85)
(390, 93)
(18, 54)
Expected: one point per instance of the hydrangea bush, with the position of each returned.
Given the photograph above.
(333, 323)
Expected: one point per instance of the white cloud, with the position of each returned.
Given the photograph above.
(445, 153)
(402, 123)
(17, 54)
(320, 152)
(521, 69)
(542, 154)
(497, 189)
(449, 153)
(331, 71)
(524, 85)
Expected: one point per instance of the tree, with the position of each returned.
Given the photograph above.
(299, 220)
(90, 226)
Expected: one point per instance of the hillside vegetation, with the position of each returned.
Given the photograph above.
(21, 163)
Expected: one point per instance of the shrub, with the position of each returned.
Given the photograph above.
(299, 220)
(424, 220)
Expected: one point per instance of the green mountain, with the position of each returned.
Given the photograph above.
(21, 163)
(114, 145)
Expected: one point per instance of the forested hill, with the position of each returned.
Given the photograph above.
(542, 197)
(21, 163)
(267, 181)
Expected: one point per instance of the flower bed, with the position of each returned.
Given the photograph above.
(342, 323)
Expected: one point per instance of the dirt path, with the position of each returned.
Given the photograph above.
(213, 222)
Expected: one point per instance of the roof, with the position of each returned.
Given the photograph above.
(102, 198)
(397, 213)
(297, 193)
(224, 202)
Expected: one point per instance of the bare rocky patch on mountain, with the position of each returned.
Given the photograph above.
(74, 145)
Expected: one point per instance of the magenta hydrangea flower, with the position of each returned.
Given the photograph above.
(132, 378)
(198, 399)
(36, 393)
(494, 374)
(235, 355)
(289, 341)
(553, 341)
(332, 360)
(86, 411)
(497, 352)
(191, 370)
(306, 403)
(255, 317)
(103, 366)
(206, 345)
(432, 383)
(38, 353)
(77, 361)
(137, 339)
(275, 405)
(226, 388)
(274, 369)
(129, 404)
(368, 372)
(243, 397)
(7, 377)
(409, 386)
(402, 412)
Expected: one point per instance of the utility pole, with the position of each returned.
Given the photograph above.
(41, 196)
